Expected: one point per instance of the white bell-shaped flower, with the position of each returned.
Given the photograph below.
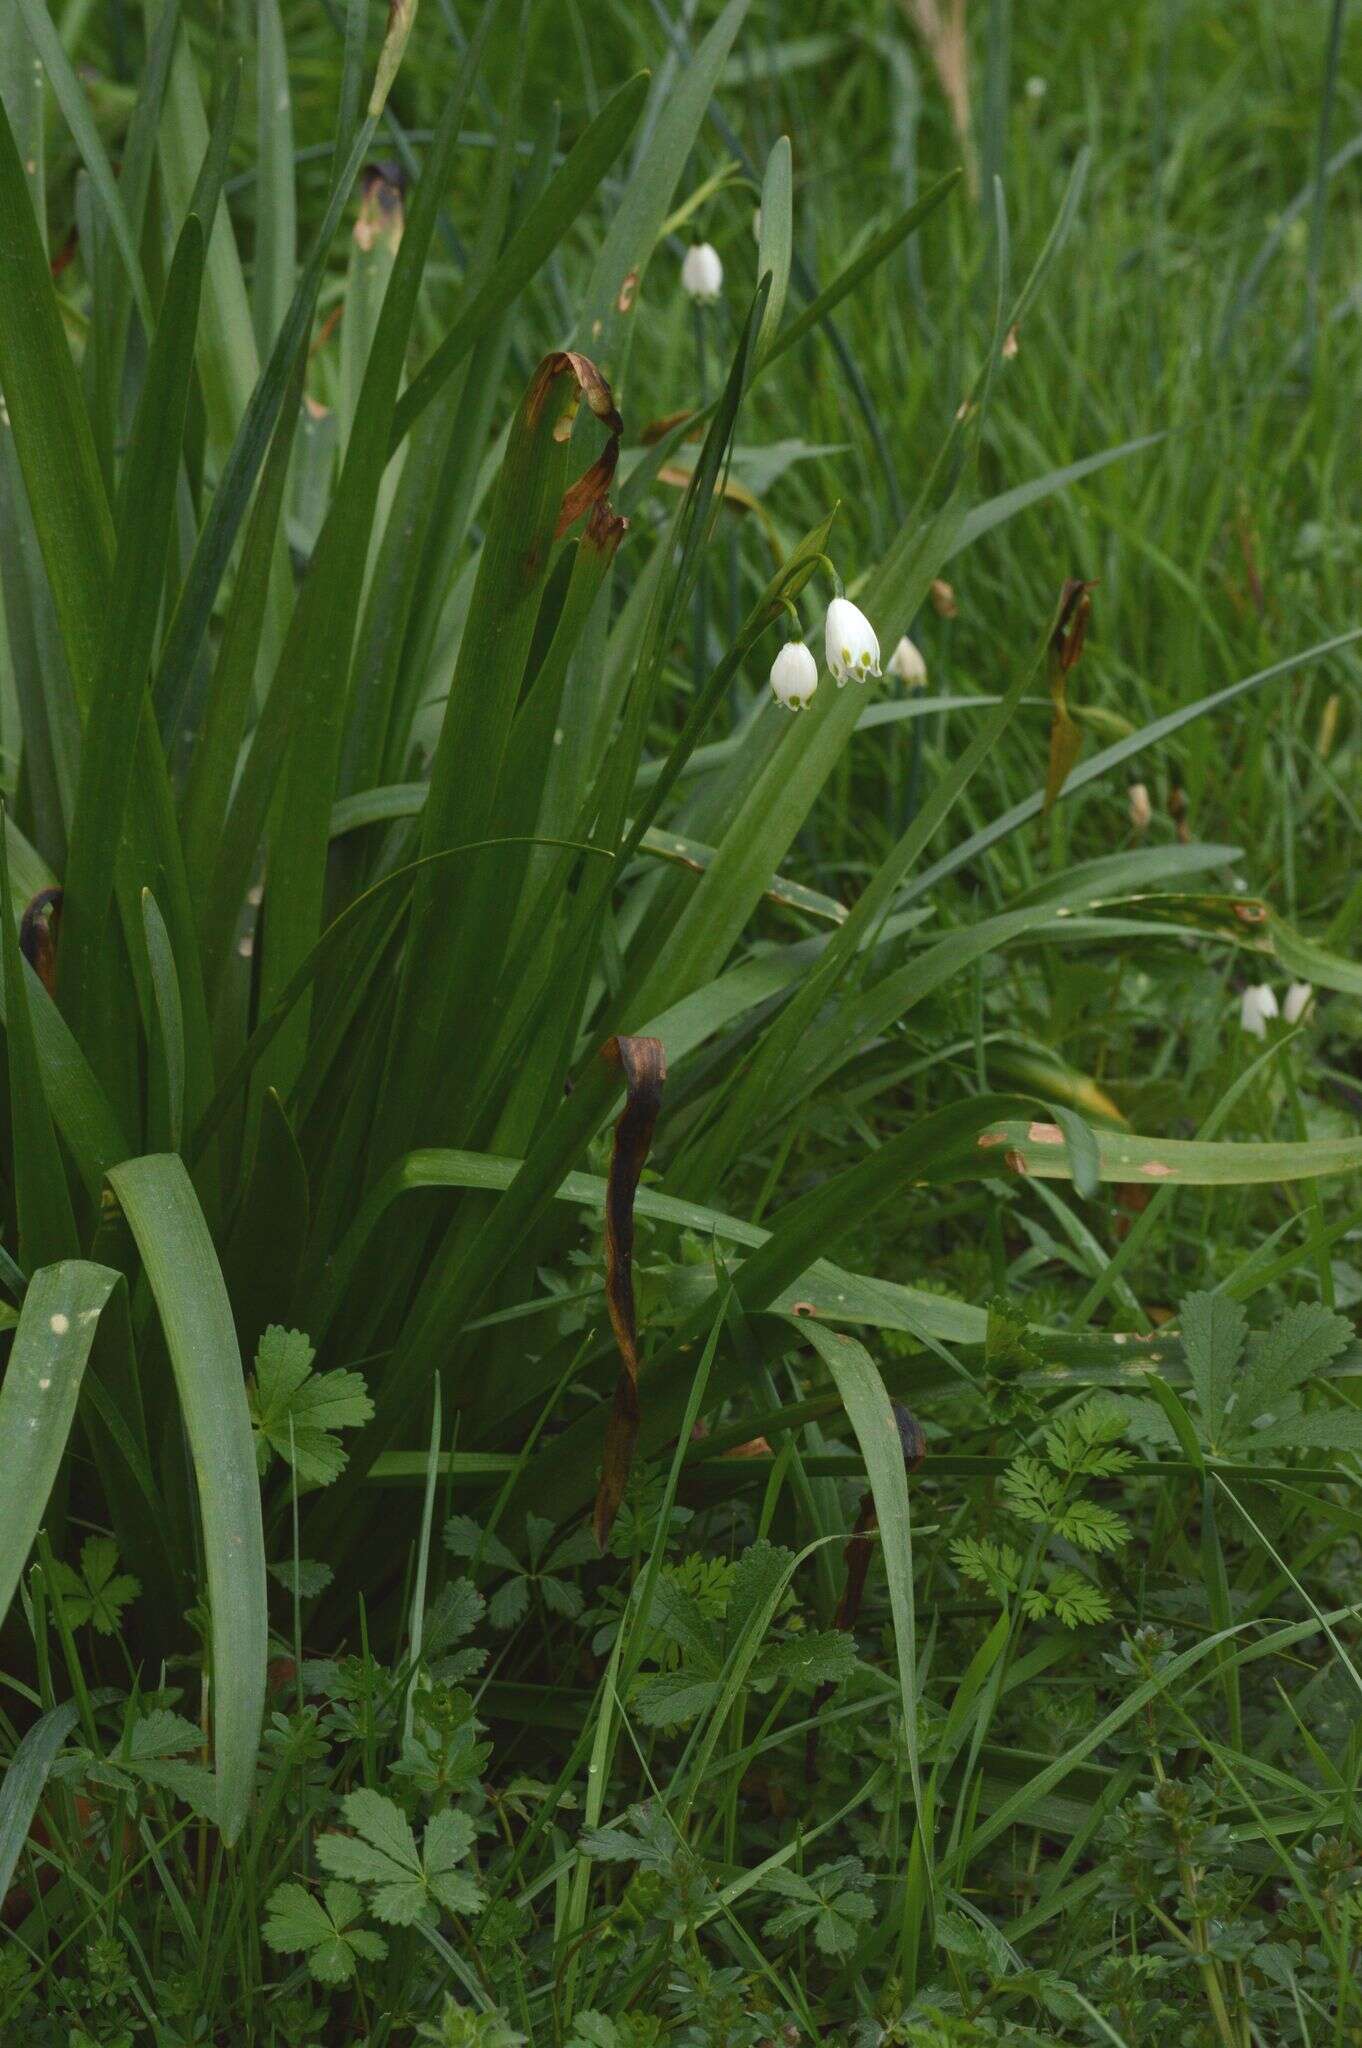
(850, 643)
(907, 664)
(1141, 809)
(794, 676)
(1299, 997)
(1256, 1006)
(702, 273)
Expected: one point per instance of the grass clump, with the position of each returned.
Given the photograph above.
(676, 1376)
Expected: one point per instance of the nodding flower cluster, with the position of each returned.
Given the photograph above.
(1258, 1005)
(851, 651)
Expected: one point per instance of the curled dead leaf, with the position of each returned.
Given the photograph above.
(38, 929)
(643, 1063)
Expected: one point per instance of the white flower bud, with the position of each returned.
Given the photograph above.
(850, 643)
(702, 273)
(1141, 809)
(794, 676)
(907, 664)
(1257, 1004)
(1299, 997)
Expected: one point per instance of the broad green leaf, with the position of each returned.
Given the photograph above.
(166, 1038)
(25, 1781)
(1039, 1148)
(47, 1224)
(181, 1267)
(272, 278)
(38, 1395)
(775, 244)
(871, 1416)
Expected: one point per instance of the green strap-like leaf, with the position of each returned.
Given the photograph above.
(24, 1782)
(182, 1270)
(47, 1224)
(147, 501)
(38, 1399)
(1039, 1148)
(51, 427)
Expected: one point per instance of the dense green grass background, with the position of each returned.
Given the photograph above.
(371, 837)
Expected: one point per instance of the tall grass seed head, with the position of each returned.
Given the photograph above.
(1141, 809)
(851, 646)
(702, 274)
(794, 676)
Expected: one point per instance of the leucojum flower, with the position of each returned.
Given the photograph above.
(794, 676)
(702, 274)
(907, 664)
(1256, 1006)
(850, 643)
(1299, 997)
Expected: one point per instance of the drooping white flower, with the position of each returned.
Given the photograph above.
(907, 664)
(1299, 997)
(1141, 809)
(702, 274)
(1257, 1004)
(794, 676)
(850, 643)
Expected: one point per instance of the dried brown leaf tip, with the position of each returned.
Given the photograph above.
(643, 1063)
(591, 386)
(1071, 625)
(605, 528)
(38, 929)
(1066, 645)
(381, 216)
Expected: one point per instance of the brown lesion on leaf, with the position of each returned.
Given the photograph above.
(1156, 1169)
(38, 929)
(803, 1308)
(643, 1062)
(628, 293)
(1015, 1162)
(988, 1138)
(1045, 1134)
